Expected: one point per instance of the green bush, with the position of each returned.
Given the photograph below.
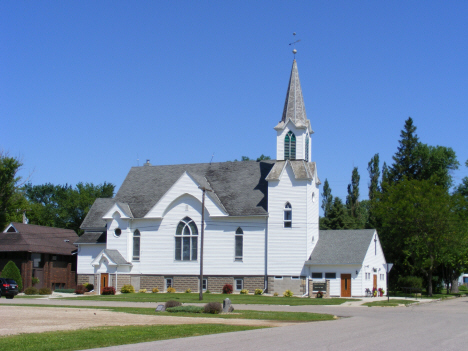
(34, 281)
(244, 292)
(462, 288)
(172, 303)
(258, 291)
(127, 288)
(288, 293)
(31, 291)
(186, 309)
(410, 282)
(11, 271)
(213, 308)
(45, 291)
(207, 291)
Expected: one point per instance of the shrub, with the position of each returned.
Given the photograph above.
(11, 271)
(188, 291)
(90, 287)
(186, 309)
(80, 289)
(207, 291)
(244, 291)
(31, 291)
(34, 281)
(275, 294)
(462, 288)
(319, 295)
(170, 290)
(108, 290)
(127, 288)
(213, 307)
(410, 282)
(288, 293)
(155, 290)
(227, 289)
(142, 291)
(172, 303)
(45, 291)
(258, 291)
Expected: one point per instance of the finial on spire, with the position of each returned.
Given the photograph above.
(294, 45)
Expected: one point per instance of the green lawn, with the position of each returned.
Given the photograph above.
(238, 314)
(391, 303)
(235, 299)
(110, 336)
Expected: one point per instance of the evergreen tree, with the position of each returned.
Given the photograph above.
(385, 176)
(374, 174)
(11, 271)
(327, 198)
(406, 161)
(352, 199)
(338, 217)
(462, 189)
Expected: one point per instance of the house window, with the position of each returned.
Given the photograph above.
(290, 146)
(239, 243)
(382, 277)
(288, 215)
(317, 275)
(294, 278)
(136, 245)
(239, 283)
(186, 240)
(367, 276)
(168, 283)
(280, 277)
(307, 148)
(330, 275)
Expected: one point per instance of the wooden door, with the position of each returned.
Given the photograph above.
(375, 281)
(104, 281)
(346, 285)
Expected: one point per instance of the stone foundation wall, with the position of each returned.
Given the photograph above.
(216, 283)
(297, 286)
(85, 278)
(149, 282)
(182, 283)
(252, 283)
(314, 294)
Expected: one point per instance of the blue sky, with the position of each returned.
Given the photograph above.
(89, 87)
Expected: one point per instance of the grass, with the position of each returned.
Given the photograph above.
(235, 299)
(110, 336)
(391, 303)
(237, 314)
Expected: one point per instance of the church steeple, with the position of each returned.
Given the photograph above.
(294, 129)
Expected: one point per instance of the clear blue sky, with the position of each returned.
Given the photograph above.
(87, 87)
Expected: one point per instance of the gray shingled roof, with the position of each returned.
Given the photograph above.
(341, 246)
(240, 187)
(115, 256)
(92, 238)
(301, 169)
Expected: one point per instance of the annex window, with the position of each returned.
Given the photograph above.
(287, 215)
(307, 148)
(382, 277)
(279, 277)
(317, 275)
(294, 278)
(367, 276)
(330, 275)
(136, 245)
(290, 146)
(239, 244)
(186, 240)
(168, 283)
(239, 283)
(205, 284)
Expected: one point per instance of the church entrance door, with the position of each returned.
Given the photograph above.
(346, 285)
(104, 281)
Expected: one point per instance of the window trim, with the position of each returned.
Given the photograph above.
(117, 232)
(166, 280)
(239, 235)
(287, 215)
(307, 148)
(235, 283)
(186, 229)
(330, 273)
(312, 275)
(290, 146)
(136, 258)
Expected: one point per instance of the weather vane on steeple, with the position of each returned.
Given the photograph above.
(294, 45)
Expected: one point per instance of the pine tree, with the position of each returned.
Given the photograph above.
(352, 200)
(11, 271)
(374, 174)
(338, 217)
(327, 198)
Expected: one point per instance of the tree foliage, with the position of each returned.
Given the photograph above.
(12, 271)
(352, 199)
(64, 206)
(327, 198)
(374, 174)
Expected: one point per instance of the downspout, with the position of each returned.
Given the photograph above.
(265, 283)
(116, 275)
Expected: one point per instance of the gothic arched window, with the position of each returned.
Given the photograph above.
(290, 146)
(307, 148)
(288, 215)
(136, 245)
(186, 240)
(239, 244)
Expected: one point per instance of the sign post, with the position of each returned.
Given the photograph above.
(388, 267)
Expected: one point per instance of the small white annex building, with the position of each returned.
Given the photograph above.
(260, 232)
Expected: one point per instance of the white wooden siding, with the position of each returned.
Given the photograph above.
(300, 134)
(374, 259)
(86, 254)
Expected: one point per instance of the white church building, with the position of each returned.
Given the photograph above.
(261, 225)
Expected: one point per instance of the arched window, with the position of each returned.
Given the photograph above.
(290, 146)
(287, 215)
(186, 240)
(136, 245)
(307, 148)
(239, 244)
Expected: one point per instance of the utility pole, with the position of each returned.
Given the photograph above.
(204, 190)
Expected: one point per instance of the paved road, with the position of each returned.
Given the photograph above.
(441, 325)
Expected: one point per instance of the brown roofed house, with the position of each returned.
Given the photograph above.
(45, 253)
